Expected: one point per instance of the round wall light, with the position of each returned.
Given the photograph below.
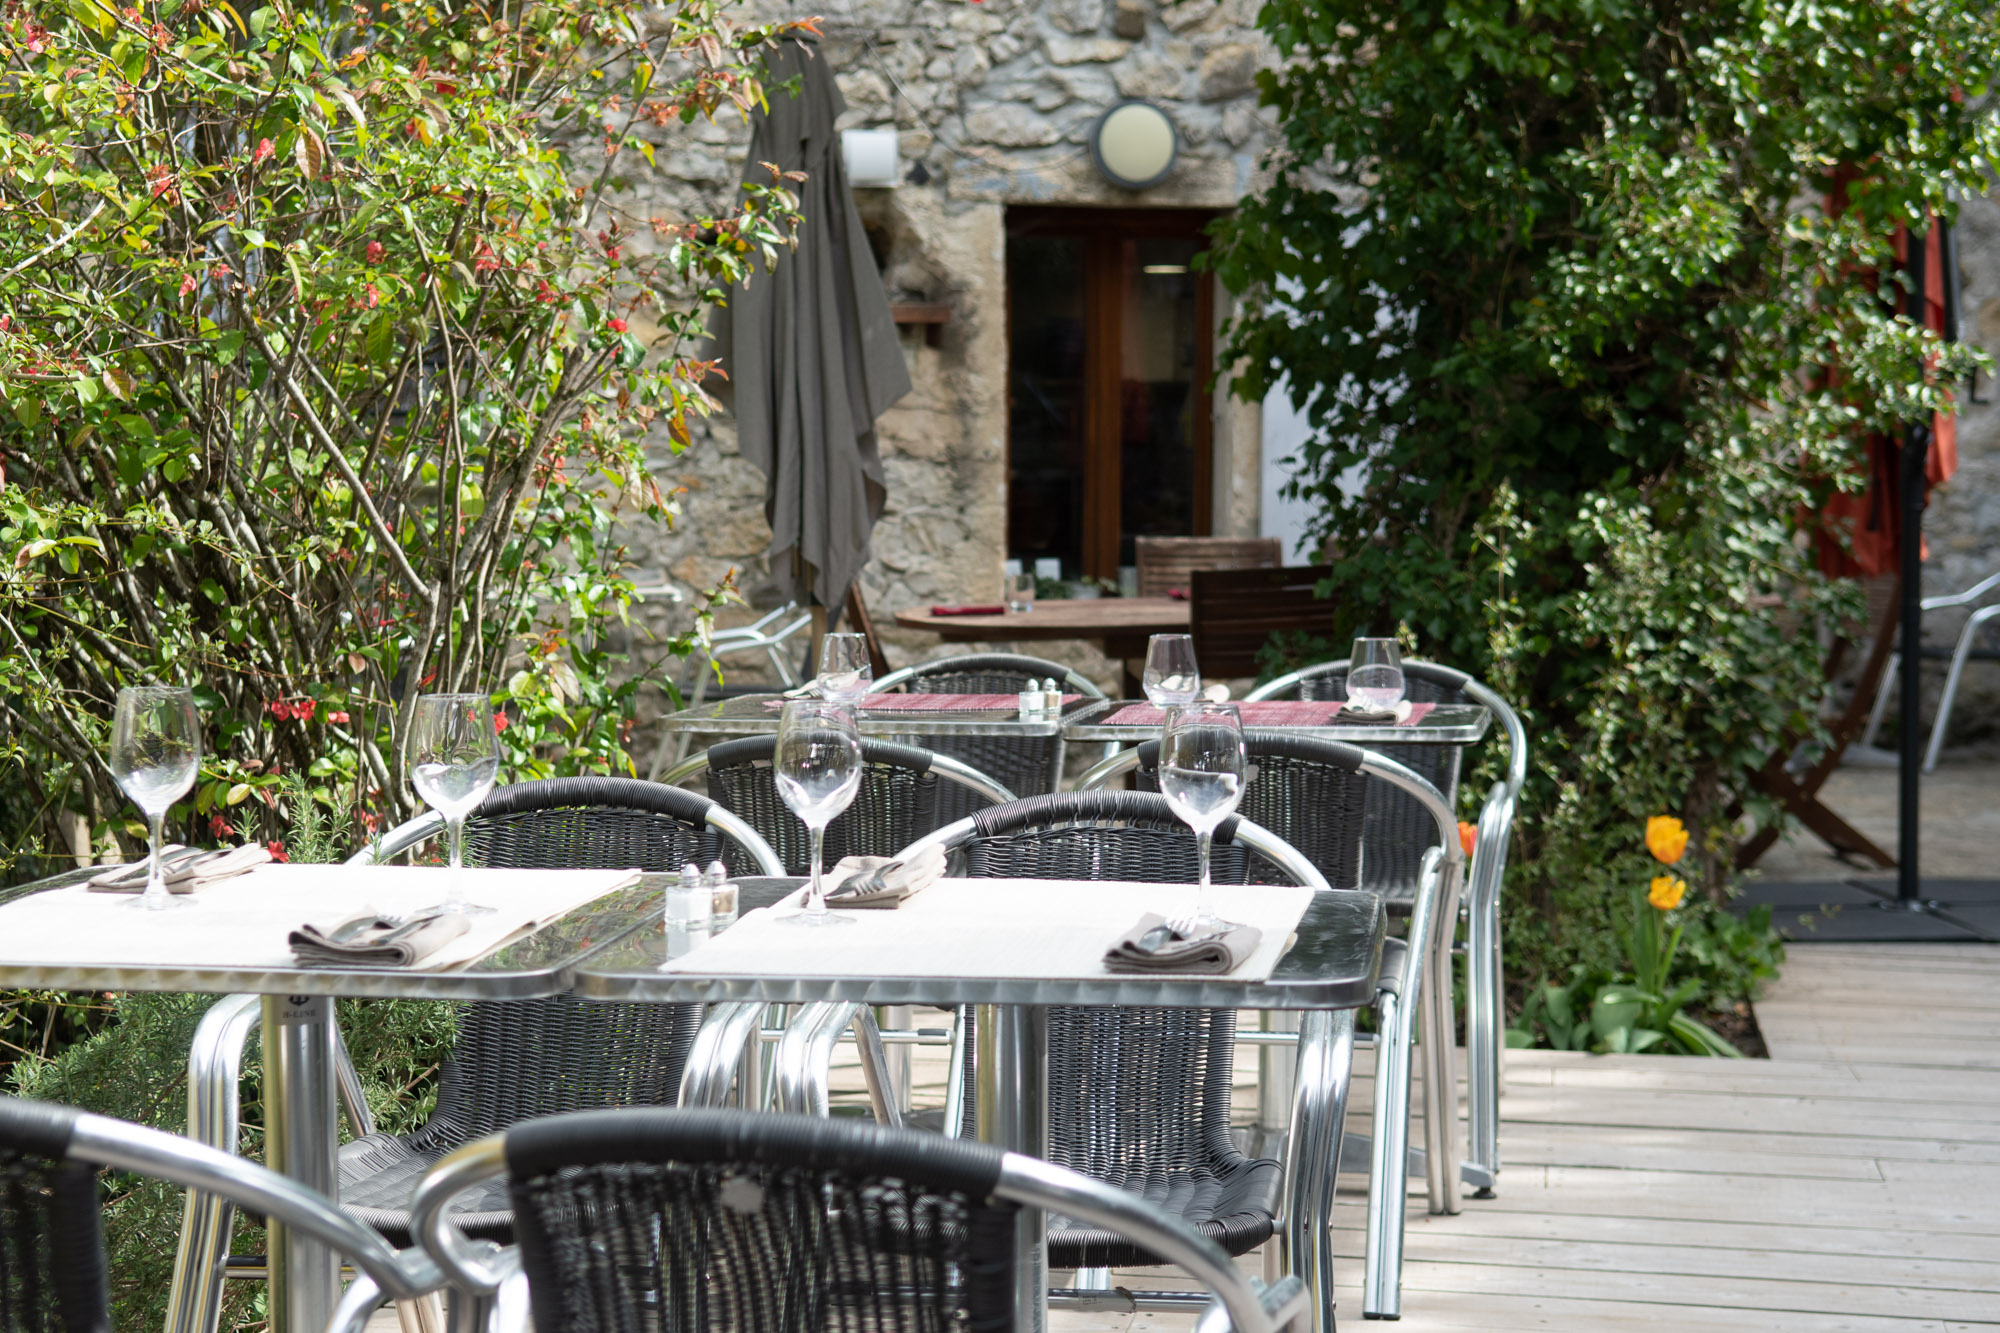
(1134, 145)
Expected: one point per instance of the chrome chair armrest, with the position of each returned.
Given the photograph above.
(1285, 1304)
(479, 1267)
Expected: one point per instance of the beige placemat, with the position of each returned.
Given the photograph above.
(244, 922)
(1029, 928)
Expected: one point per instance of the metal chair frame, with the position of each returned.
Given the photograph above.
(971, 661)
(1485, 994)
(738, 639)
(1239, 1305)
(1961, 653)
(381, 1271)
(215, 1060)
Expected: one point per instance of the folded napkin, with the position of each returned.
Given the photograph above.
(1355, 713)
(1140, 949)
(984, 610)
(185, 869)
(878, 881)
(371, 939)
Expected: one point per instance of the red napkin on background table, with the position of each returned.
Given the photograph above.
(994, 610)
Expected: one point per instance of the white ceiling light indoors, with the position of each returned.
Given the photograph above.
(1134, 144)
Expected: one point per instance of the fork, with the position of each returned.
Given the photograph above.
(1173, 928)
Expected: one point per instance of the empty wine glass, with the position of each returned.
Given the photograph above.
(845, 673)
(1375, 673)
(818, 768)
(155, 754)
(454, 760)
(1202, 769)
(1171, 674)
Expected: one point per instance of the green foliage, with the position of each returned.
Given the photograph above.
(329, 355)
(1556, 288)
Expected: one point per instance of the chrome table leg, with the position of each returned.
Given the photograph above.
(1012, 1071)
(300, 1143)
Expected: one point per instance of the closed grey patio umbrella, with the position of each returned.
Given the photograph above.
(811, 349)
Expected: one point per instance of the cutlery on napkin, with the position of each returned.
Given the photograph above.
(372, 939)
(185, 869)
(1352, 712)
(1153, 945)
(878, 881)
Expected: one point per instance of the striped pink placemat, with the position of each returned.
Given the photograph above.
(1266, 713)
(948, 703)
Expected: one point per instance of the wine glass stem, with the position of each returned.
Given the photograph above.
(156, 879)
(455, 893)
(816, 895)
(1202, 841)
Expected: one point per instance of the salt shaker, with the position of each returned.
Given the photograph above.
(721, 896)
(688, 901)
(1031, 701)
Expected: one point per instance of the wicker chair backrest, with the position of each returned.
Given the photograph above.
(518, 1059)
(1398, 830)
(52, 1266)
(896, 804)
(1311, 800)
(1024, 765)
(752, 1227)
(1135, 1094)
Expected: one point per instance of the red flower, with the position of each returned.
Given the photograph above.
(616, 326)
(374, 297)
(374, 252)
(277, 850)
(487, 262)
(187, 284)
(337, 716)
(220, 827)
(304, 709)
(500, 723)
(162, 181)
(264, 151)
(281, 710)
(1468, 834)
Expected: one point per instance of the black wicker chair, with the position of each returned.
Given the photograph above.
(1394, 836)
(515, 1060)
(702, 1220)
(53, 1274)
(1138, 1097)
(897, 803)
(1025, 765)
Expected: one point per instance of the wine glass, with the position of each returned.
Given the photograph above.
(1202, 769)
(1375, 673)
(818, 767)
(845, 673)
(155, 754)
(1171, 674)
(454, 760)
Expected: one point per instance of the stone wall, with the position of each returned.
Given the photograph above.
(994, 103)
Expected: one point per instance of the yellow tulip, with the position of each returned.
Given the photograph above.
(1667, 892)
(1666, 839)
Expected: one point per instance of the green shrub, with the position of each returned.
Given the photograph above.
(1555, 290)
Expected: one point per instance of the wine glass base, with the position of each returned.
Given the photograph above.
(459, 909)
(805, 918)
(174, 903)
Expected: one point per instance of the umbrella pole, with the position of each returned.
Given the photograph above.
(1910, 554)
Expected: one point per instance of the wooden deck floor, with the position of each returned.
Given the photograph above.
(1851, 1182)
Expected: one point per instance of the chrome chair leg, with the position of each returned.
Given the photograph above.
(1959, 656)
(1880, 708)
(954, 1079)
(805, 1053)
(1388, 1174)
(1325, 1062)
(717, 1056)
(215, 1063)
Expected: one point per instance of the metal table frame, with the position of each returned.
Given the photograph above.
(746, 715)
(298, 1038)
(1329, 972)
(1446, 724)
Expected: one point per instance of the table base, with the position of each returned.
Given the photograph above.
(300, 1143)
(1012, 1073)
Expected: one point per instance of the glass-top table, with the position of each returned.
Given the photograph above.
(1444, 724)
(758, 715)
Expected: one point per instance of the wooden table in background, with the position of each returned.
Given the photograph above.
(1119, 625)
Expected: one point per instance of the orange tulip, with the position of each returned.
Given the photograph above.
(1468, 834)
(1666, 839)
(1667, 892)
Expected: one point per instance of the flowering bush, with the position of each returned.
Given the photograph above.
(327, 351)
(1644, 1007)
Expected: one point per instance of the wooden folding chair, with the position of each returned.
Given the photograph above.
(1233, 613)
(1167, 564)
(1800, 794)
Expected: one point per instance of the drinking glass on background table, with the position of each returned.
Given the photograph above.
(845, 673)
(1202, 769)
(818, 768)
(1375, 673)
(1171, 676)
(155, 754)
(454, 760)
(1020, 590)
